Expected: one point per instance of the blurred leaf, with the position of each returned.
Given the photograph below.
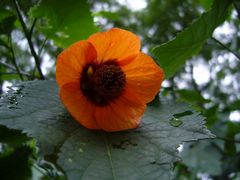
(173, 54)
(12, 137)
(231, 165)
(206, 4)
(146, 152)
(235, 105)
(16, 165)
(211, 115)
(191, 96)
(182, 171)
(4, 13)
(233, 129)
(202, 157)
(64, 21)
(7, 19)
(107, 14)
(237, 138)
(10, 77)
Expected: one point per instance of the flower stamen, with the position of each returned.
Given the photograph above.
(102, 83)
(90, 71)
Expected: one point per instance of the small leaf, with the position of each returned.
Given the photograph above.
(202, 157)
(173, 54)
(147, 152)
(64, 21)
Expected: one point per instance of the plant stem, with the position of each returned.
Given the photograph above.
(39, 54)
(14, 58)
(173, 87)
(14, 69)
(32, 27)
(227, 48)
(237, 9)
(33, 52)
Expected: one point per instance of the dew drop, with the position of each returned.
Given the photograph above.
(175, 122)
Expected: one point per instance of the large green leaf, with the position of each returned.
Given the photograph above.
(173, 54)
(144, 153)
(202, 157)
(64, 21)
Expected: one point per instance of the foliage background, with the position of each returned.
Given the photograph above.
(33, 33)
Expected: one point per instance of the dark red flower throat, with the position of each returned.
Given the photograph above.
(102, 83)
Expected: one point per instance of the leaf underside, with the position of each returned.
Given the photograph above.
(147, 152)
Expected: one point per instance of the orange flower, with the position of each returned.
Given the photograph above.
(105, 81)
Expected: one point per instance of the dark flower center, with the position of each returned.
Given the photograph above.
(102, 83)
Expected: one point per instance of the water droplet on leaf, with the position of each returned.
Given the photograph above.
(175, 122)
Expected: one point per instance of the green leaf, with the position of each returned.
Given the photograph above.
(107, 14)
(202, 157)
(206, 4)
(64, 21)
(16, 165)
(172, 55)
(191, 96)
(7, 19)
(147, 152)
(4, 13)
(12, 137)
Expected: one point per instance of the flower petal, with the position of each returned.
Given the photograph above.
(119, 115)
(71, 61)
(144, 77)
(78, 106)
(115, 44)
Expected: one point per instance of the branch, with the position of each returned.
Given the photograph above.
(33, 52)
(195, 85)
(227, 48)
(39, 54)
(14, 58)
(14, 69)
(32, 27)
(173, 87)
(42, 46)
(237, 9)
